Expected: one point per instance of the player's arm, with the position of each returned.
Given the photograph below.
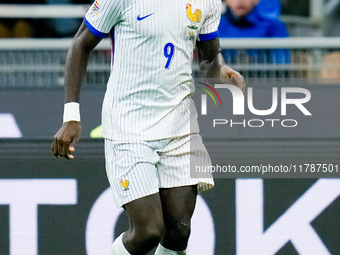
(76, 64)
(214, 67)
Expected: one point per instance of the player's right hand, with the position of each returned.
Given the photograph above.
(65, 139)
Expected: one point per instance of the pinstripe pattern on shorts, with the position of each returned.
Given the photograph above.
(139, 169)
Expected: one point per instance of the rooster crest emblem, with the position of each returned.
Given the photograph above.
(193, 17)
(124, 184)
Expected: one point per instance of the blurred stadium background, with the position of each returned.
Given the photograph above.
(52, 207)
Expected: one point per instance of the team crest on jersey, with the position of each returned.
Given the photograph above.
(194, 16)
(124, 183)
(95, 7)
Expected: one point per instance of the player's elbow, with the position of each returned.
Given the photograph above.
(210, 69)
(79, 45)
(205, 66)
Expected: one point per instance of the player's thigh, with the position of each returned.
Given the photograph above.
(146, 225)
(178, 204)
(145, 214)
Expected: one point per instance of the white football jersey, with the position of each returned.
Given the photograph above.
(149, 91)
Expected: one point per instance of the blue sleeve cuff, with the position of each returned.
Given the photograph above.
(93, 30)
(208, 37)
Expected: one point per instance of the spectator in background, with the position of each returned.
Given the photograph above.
(244, 19)
(17, 28)
(269, 8)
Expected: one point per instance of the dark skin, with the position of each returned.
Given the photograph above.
(171, 209)
(163, 217)
(68, 135)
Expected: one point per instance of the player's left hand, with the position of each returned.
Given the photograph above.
(230, 76)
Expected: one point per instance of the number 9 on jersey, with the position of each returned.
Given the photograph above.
(169, 51)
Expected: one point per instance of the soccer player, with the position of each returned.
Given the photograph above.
(149, 120)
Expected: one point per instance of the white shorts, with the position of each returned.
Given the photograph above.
(139, 169)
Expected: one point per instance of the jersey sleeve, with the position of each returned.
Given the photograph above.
(102, 16)
(209, 29)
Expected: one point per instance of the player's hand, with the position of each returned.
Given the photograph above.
(230, 76)
(65, 140)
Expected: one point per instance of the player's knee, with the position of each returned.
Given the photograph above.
(154, 234)
(179, 230)
(151, 233)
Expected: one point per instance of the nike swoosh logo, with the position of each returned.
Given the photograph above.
(141, 18)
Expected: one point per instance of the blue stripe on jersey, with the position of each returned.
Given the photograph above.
(210, 36)
(93, 30)
(112, 35)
